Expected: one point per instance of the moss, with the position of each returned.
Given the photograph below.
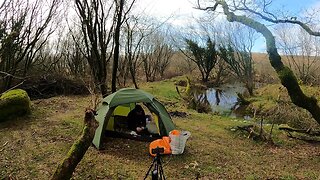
(78, 149)
(188, 88)
(286, 74)
(79, 145)
(13, 104)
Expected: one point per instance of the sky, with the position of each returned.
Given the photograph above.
(182, 12)
(178, 10)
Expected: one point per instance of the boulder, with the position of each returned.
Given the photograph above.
(14, 103)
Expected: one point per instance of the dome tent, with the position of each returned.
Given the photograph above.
(121, 103)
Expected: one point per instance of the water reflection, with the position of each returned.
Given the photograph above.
(222, 100)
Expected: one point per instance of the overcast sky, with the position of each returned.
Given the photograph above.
(182, 11)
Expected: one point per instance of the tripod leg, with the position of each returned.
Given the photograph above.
(161, 173)
(155, 172)
(155, 175)
(153, 162)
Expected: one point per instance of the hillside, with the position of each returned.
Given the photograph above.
(264, 72)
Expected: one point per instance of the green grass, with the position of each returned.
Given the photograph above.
(32, 147)
(162, 90)
(273, 103)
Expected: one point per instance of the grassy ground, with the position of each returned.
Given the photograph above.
(32, 147)
(273, 102)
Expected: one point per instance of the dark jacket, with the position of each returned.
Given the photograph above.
(135, 119)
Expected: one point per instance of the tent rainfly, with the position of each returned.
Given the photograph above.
(120, 103)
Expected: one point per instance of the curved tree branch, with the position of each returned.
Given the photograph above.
(275, 20)
(285, 74)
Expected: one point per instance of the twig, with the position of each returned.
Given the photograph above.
(13, 87)
(177, 89)
(261, 125)
(271, 131)
(10, 75)
(4, 146)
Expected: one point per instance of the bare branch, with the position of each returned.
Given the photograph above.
(10, 75)
(211, 8)
(275, 20)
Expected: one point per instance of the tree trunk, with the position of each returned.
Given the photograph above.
(117, 46)
(78, 149)
(249, 85)
(104, 90)
(285, 74)
(132, 72)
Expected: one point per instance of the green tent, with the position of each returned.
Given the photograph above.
(115, 107)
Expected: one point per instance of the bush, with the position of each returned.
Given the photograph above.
(13, 104)
(42, 87)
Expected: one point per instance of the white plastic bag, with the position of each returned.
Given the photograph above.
(178, 142)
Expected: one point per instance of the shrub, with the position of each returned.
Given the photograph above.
(14, 103)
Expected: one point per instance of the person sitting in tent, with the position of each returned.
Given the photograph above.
(137, 120)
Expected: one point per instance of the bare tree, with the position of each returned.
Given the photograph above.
(25, 27)
(123, 71)
(301, 52)
(285, 74)
(96, 20)
(72, 56)
(118, 22)
(165, 53)
(156, 54)
(49, 58)
(132, 47)
(120, 15)
(148, 61)
(135, 31)
(238, 55)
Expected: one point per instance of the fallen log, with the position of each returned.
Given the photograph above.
(304, 131)
(307, 135)
(78, 149)
(304, 138)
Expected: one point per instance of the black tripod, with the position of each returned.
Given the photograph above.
(157, 172)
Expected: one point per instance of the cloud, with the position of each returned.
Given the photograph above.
(166, 7)
(179, 12)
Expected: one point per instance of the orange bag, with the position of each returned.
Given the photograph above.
(175, 132)
(161, 143)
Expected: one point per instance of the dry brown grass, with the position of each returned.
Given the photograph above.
(263, 70)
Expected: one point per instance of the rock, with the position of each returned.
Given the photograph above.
(14, 103)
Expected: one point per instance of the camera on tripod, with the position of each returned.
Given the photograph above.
(157, 172)
(157, 150)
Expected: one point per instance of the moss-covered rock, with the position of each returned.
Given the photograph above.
(14, 103)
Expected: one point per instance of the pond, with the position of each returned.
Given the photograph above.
(223, 100)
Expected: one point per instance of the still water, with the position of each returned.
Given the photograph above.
(223, 100)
